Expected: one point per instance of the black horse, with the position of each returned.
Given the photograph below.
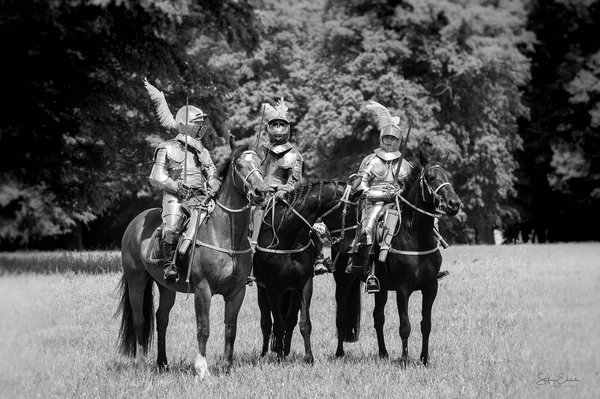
(286, 251)
(412, 264)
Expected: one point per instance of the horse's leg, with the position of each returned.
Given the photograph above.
(341, 313)
(265, 319)
(379, 319)
(167, 299)
(274, 297)
(402, 302)
(305, 324)
(291, 303)
(429, 295)
(232, 309)
(202, 297)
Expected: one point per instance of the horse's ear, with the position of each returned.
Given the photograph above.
(423, 159)
(445, 160)
(232, 143)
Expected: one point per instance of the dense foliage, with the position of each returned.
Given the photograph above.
(506, 90)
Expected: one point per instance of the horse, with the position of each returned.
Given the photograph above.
(220, 264)
(412, 264)
(285, 254)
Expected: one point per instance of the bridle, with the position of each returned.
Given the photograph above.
(245, 179)
(247, 187)
(425, 186)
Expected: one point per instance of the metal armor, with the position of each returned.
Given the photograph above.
(377, 173)
(282, 165)
(170, 166)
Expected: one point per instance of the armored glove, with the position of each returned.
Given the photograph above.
(280, 193)
(183, 190)
(391, 192)
(214, 189)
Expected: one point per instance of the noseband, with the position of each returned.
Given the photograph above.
(247, 185)
(434, 192)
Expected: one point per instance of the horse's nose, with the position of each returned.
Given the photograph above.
(454, 204)
(259, 194)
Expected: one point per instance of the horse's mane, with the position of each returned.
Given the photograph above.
(297, 197)
(301, 193)
(224, 167)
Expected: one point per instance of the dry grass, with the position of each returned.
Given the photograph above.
(503, 316)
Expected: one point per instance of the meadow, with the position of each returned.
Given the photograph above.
(513, 321)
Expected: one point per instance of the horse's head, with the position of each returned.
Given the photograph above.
(436, 187)
(246, 173)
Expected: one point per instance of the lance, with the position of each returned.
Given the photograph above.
(257, 140)
(186, 142)
(410, 123)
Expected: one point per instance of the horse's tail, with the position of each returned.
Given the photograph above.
(353, 307)
(127, 338)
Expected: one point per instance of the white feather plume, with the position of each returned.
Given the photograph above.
(379, 110)
(162, 108)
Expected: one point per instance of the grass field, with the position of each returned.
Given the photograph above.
(507, 322)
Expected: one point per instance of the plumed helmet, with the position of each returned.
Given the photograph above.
(388, 125)
(278, 124)
(188, 123)
(189, 120)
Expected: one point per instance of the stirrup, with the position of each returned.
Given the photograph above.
(372, 284)
(250, 281)
(171, 273)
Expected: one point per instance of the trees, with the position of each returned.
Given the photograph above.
(456, 66)
(75, 134)
(560, 160)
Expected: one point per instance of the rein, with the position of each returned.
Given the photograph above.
(342, 231)
(232, 251)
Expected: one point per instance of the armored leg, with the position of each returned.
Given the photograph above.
(372, 283)
(169, 249)
(323, 264)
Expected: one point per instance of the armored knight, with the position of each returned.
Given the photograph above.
(183, 170)
(282, 168)
(381, 180)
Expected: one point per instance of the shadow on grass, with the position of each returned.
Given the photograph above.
(217, 368)
(63, 262)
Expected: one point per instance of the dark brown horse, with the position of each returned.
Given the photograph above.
(412, 264)
(220, 265)
(286, 251)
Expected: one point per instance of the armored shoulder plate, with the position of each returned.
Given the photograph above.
(174, 150)
(366, 165)
(290, 158)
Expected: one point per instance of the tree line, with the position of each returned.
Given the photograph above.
(506, 92)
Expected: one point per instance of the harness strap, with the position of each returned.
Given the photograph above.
(285, 251)
(220, 249)
(232, 210)
(344, 229)
(396, 251)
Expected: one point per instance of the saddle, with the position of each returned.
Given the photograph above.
(155, 250)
